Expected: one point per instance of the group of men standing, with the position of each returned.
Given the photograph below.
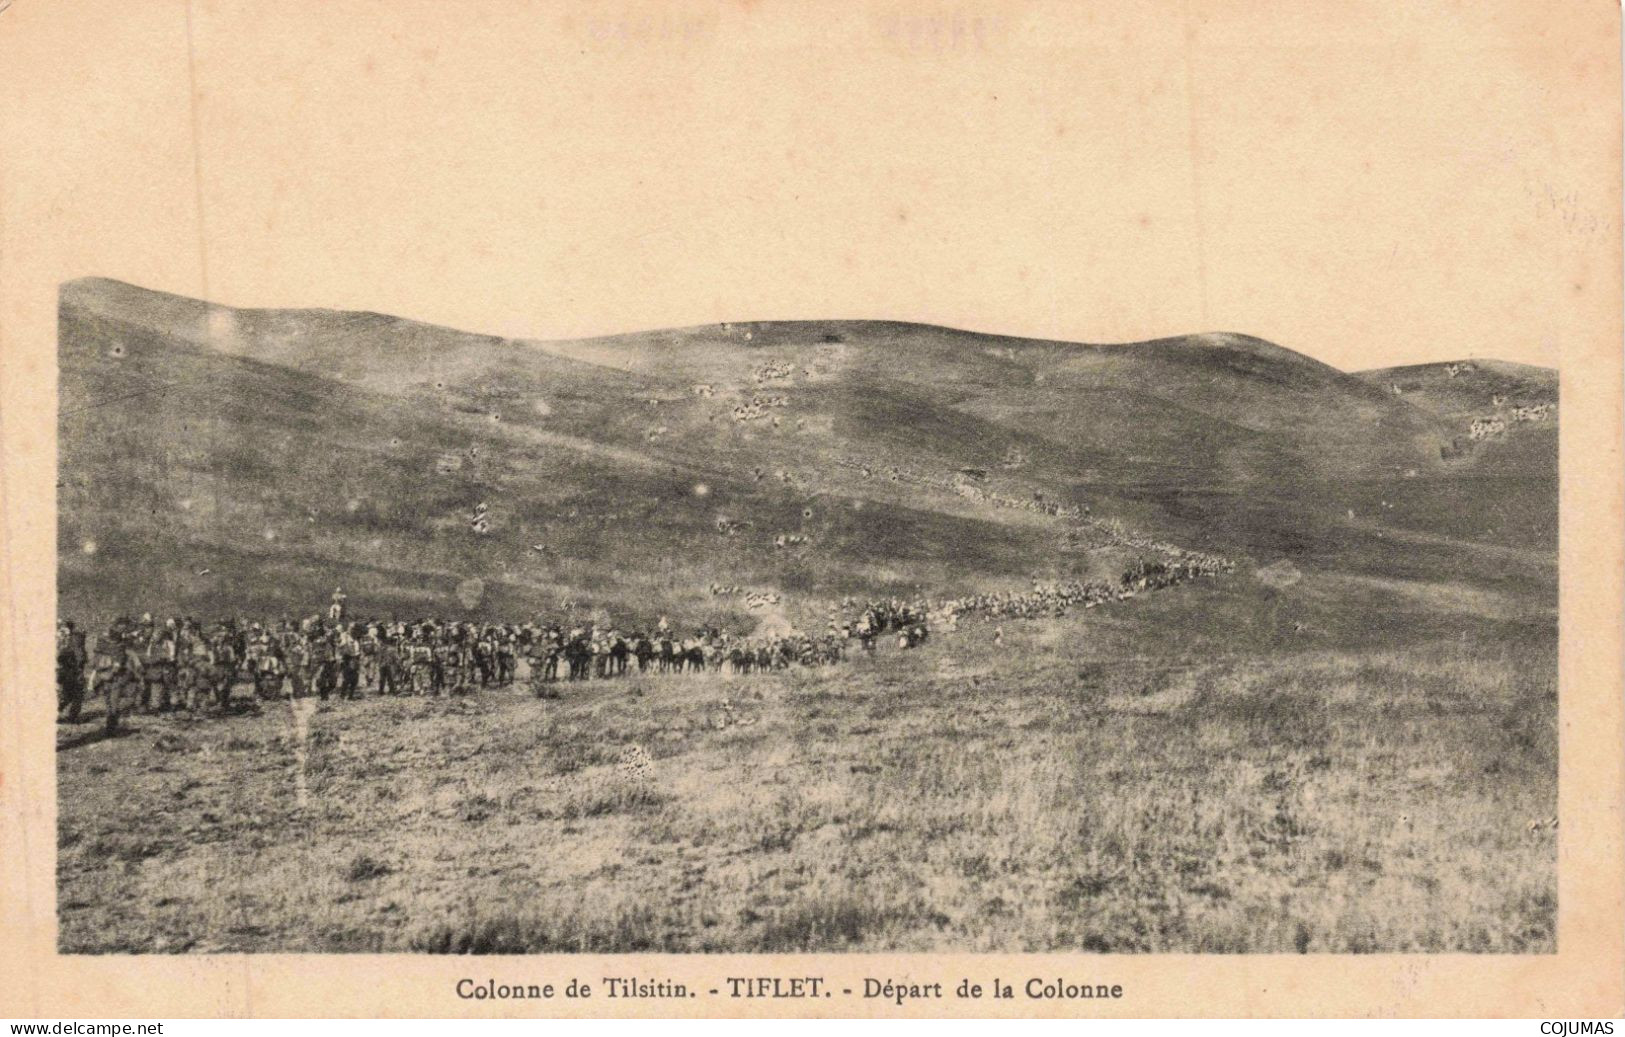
(144, 664)
(178, 665)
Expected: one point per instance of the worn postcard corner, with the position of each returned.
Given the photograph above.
(898, 509)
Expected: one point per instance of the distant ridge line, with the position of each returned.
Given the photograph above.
(74, 290)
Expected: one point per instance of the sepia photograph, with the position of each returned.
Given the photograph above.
(794, 636)
(913, 508)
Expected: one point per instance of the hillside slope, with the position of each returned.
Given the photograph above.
(1466, 388)
(1502, 422)
(203, 447)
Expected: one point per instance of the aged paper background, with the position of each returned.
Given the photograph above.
(1369, 183)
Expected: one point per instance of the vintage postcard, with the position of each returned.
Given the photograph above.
(869, 509)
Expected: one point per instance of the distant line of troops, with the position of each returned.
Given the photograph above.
(1060, 598)
(178, 664)
(1055, 599)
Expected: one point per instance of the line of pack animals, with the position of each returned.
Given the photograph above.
(178, 665)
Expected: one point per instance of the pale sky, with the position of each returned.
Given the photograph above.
(1366, 183)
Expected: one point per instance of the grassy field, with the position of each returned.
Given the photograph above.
(1264, 781)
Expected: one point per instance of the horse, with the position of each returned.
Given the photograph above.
(578, 655)
(694, 657)
(484, 667)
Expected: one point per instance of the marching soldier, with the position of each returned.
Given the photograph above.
(298, 656)
(390, 666)
(425, 670)
(349, 663)
(158, 663)
(484, 652)
(553, 653)
(118, 670)
(225, 660)
(191, 660)
(70, 671)
(372, 678)
(543, 656)
(322, 663)
(506, 656)
(449, 654)
(265, 663)
(295, 656)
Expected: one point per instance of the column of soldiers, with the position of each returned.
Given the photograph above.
(587, 652)
(912, 619)
(179, 664)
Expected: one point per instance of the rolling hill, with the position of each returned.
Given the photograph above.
(219, 460)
